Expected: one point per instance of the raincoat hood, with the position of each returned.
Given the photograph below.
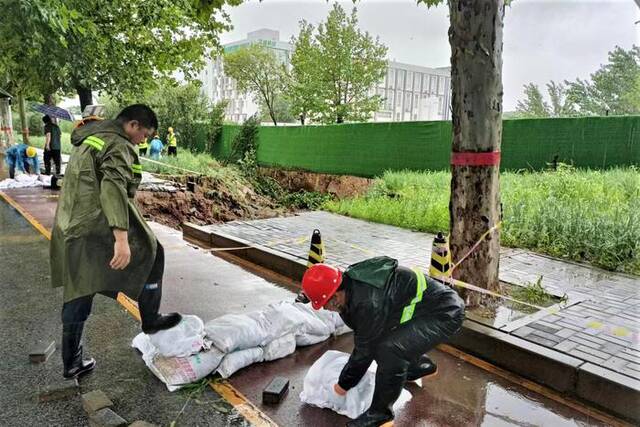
(374, 271)
(97, 126)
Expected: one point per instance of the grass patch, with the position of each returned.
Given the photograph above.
(581, 215)
(534, 293)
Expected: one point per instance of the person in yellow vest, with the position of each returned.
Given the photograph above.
(172, 142)
(142, 147)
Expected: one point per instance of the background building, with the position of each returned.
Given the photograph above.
(409, 92)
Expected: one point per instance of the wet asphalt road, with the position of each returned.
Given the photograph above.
(30, 311)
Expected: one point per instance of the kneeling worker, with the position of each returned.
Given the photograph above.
(100, 242)
(397, 315)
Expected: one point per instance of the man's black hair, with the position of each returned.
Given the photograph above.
(46, 119)
(140, 112)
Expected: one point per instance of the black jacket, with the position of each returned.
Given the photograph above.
(377, 292)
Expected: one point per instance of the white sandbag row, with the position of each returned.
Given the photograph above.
(184, 354)
(323, 375)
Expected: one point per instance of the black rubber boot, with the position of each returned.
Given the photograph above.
(149, 304)
(423, 367)
(74, 365)
(370, 418)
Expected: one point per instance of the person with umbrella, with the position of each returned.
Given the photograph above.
(51, 145)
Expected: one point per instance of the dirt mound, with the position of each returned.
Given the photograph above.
(212, 201)
(339, 185)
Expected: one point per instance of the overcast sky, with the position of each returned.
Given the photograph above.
(543, 39)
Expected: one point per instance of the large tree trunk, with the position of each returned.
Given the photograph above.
(23, 119)
(476, 79)
(86, 98)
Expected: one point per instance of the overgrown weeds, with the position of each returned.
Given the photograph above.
(583, 215)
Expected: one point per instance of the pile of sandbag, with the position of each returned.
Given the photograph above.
(189, 351)
(25, 181)
(323, 375)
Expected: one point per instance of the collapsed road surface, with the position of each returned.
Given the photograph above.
(196, 282)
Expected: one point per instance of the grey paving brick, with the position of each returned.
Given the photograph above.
(584, 342)
(630, 372)
(523, 331)
(594, 352)
(586, 356)
(544, 328)
(568, 345)
(565, 332)
(591, 338)
(616, 363)
(541, 340)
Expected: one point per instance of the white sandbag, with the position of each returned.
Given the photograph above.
(237, 360)
(21, 181)
(280, 347)
(323, 375)
(303, 340)
(175, 372)
(184, 339)
(233, 332)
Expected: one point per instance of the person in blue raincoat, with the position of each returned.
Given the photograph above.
(155, 148)
(24, 158)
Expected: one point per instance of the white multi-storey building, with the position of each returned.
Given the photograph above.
(409, 92)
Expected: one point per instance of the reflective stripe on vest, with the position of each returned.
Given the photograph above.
(94, 142)
(136, 168)
(421, 286)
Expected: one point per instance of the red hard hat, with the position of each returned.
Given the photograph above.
(320, 282)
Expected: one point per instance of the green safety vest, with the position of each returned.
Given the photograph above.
(421, 286)
(144, 144)
(173, 142)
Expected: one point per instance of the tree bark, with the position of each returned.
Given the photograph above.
(476, 78)
(86, 98)
(23, 119)
(48, 99)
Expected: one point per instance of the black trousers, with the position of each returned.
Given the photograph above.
(172, 151)
(403, 347)
(55, 156)
(142, 151)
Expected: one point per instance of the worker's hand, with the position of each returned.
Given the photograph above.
(339, 390)
(121, 250)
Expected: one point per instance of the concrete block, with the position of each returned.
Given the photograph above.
(95, 400)
(106, 418)
(610, 390)
(142, 424)
(60, 390)
(42, 351)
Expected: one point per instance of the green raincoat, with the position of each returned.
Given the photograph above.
(99, 185)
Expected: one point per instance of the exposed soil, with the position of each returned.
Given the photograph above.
(339, 185)
(212, 201)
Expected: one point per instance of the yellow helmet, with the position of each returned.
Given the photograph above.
(31, 152)
(170, 129)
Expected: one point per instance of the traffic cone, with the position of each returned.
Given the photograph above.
(316, 250)
(440, 258)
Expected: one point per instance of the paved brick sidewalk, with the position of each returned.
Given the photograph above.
(599, 324)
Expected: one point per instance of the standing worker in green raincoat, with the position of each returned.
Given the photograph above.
(100, 243)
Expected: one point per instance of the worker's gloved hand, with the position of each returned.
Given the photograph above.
(339, 390)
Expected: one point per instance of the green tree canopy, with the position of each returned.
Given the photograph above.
(534, 104)
(257, 70)
(335, 68)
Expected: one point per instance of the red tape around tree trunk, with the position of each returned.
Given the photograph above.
(475, 159)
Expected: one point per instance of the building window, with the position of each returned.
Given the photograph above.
(432, 84)
(425, 83)
(440, 105)
(397, 117)
(416, 82)
(441, 85)
(407, 102)
(409, 85)
(399, 99)
(400, 80)
(391, 78)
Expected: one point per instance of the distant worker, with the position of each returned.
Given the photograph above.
(397, 315)
(100, 242)
(52, 144)
(156, 147)
(172, 142)
(142, 147)
(24, 158)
